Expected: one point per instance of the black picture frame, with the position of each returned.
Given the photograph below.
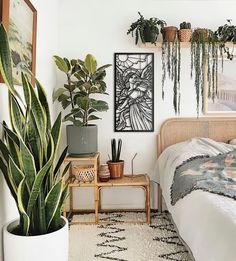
(134, 109)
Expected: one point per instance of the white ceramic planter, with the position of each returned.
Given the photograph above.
(48, 247)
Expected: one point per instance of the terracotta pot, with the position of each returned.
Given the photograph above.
(116, 169)
(185, 35)
(104, 173)
(169, 33)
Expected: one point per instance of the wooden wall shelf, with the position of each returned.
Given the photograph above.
(182, 45)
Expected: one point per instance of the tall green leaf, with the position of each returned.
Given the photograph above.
(52, 202)
(24, 218)
(39, 116)
(16, 173)
(56, 131)
(60, 161)
(16, 115)
(3, 168)
(5, 61)
(43, 100)
(28, 164)
(38, 184)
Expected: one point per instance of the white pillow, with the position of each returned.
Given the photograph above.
(232, 142)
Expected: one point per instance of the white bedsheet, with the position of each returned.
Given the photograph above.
(206, 221)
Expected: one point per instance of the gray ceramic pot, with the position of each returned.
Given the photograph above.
(82, 140)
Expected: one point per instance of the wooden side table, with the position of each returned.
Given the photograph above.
(136, 181)
(94, 161)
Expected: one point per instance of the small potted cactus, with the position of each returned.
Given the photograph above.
(116, 166)
(185, 32)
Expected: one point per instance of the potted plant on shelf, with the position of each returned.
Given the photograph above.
(204, 63)
(169, 33)
(116, 166)
(27, 156)
(185, 32)
(227, 33)
(84, 81)
(146, 29)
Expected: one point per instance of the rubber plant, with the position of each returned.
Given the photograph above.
(146, 29)
(28, 153)
(171, 61)
(84, 80)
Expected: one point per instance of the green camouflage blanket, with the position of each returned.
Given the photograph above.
(212, 174)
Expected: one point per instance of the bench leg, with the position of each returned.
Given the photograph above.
(159, 198)
(148, 210)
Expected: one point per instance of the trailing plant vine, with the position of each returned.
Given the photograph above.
(171, 61)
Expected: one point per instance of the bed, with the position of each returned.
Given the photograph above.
(205, 221)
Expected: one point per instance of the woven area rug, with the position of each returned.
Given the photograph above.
(126, 242)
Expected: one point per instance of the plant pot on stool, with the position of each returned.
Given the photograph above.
(116, 166)
(82, 139)
(84, 79)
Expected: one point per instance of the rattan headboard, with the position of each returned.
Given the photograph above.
(180, 129)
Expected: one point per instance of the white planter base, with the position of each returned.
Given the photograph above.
(48, 247)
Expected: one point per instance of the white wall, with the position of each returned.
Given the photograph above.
(47, 36)
(99, 27)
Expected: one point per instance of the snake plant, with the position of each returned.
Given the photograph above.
(116, 152)
(28, 153)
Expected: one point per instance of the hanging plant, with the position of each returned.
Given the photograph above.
(171, 60)
(227, 33)
(205, 53)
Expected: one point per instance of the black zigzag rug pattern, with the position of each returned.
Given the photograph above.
(116, 240)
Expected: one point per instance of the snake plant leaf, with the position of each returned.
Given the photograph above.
(39, 115)
(16, 173)
(61, 63)
(34, 142)
(43, 100)
(52, 202)
(66, 169)
(5, 61)
(10, 134)
(24, 218)
(4, 151)
(56, 131)
(90, 63)
(3, 168)
(42, 213)
(27, 92)
(14, 150)
(28, 164)
(38, 183)
(16, 115)
(60, 161)
(56, 221)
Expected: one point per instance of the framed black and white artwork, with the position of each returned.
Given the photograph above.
(134, 92)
